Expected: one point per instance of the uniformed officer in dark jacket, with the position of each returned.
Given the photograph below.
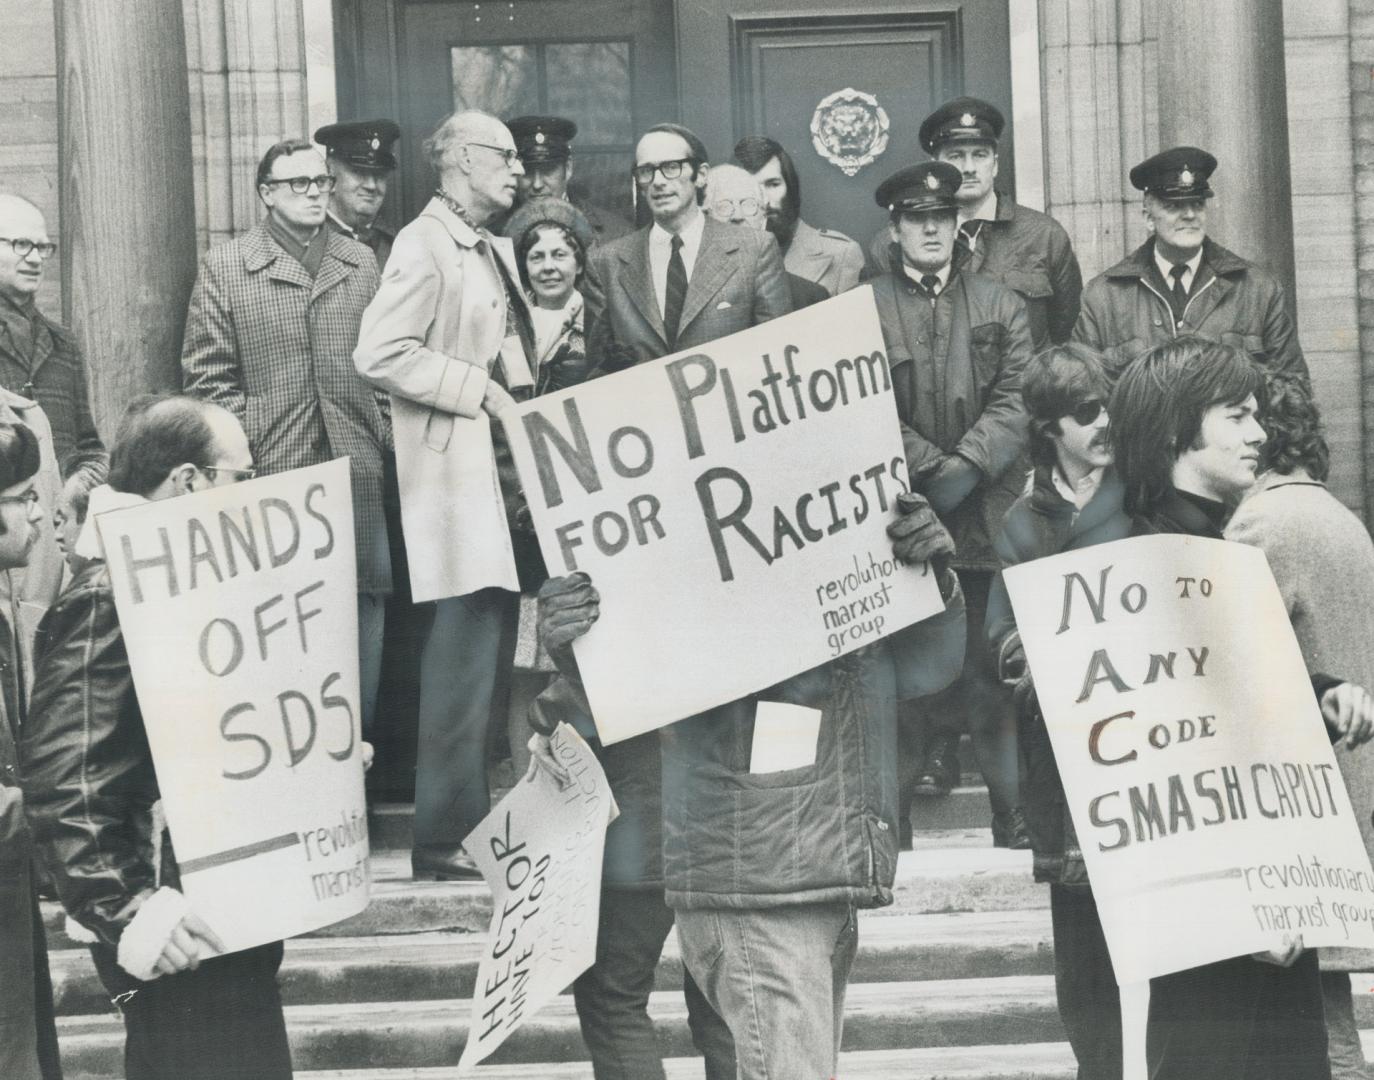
(361, 162)
(956, 344)
(545, 146)
(1025, 250)
(1179, 282)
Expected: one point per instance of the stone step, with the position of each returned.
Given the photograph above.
(949, 871)
(431, 1034)
(430, 966)
(391, 825)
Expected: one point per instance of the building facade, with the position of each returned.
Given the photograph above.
(843, 86)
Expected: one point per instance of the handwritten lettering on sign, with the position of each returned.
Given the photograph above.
(1199, 773)
(238, 606)
(540, 851)
(734, 520)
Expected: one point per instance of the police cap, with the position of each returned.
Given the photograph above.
(1175, 175)
(364, 144)
(965, 119)
(928, 186)
(542, 139)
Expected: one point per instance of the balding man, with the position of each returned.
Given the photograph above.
(734, 197)
(448, 337)
(39, 359)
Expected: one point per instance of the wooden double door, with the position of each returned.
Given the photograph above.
(725, 69)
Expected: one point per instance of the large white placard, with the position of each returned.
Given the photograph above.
(730, 504)
(1199, 773)
(540, 850)
(238, 607)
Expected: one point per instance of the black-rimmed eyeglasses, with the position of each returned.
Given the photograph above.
(508, 155)
(238, 474)
(299, 185)
(22, 246)
(1087, 412)
(671, 170)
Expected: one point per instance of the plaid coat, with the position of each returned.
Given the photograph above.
(276, 350)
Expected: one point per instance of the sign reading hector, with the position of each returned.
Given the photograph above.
(540, 851)
(731, 506)
(238, 607)
(1199, 774)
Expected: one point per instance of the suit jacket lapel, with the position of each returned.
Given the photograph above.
(709, 272)
(636, 278)
(338, 264)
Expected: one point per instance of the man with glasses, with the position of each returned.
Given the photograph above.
(449, 337)
(269, 336)
(90, 791)
(733, 197)
(956, 342)
(40, 360)
(683, 280)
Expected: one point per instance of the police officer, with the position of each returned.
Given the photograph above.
(1022, 248)
(545, 147)
(825, 256)
(361, 162)
(1180, 282)
(956, 343)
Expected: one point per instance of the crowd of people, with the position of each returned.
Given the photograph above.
(1037, 416)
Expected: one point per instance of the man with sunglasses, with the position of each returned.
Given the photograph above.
(1075, 502)
(683, 280)
(40, 360)
(269, 336)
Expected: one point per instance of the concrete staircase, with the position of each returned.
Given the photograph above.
(953, 981)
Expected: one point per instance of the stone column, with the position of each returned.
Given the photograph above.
(1223, 64)
(127, 203)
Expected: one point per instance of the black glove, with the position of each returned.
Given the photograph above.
(918, 535)
(568, 606)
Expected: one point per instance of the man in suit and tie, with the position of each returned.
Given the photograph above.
(682, 282)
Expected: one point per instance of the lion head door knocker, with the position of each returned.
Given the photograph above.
(849, 129)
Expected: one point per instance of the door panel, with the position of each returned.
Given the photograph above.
(607, 64)
(781, 66)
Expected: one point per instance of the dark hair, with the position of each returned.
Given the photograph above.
(696, 148)
(1055, 381)
(77, 492)
(753, 152)
(279, 150)
(1158, 406)
(157, 433)
(19, 459)
(1294, 426)
(530, 237)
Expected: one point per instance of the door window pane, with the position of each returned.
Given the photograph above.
(590, 82)
(499, 79)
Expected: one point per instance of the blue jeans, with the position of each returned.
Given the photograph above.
(778, 977)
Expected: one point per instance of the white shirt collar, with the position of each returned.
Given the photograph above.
(1081, 495)
(916, 275)
(691, 235)
(1165, 266)
(984, 211)
(660, 252)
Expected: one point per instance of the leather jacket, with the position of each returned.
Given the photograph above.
(1125, 313)
(87, 772)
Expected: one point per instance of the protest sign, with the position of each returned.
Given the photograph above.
(238, 607)
(1199, 774)
(540, 850)
(730, 504)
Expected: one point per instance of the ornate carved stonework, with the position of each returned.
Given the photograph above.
(849, 129)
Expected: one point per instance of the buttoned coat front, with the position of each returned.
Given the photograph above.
(275, 348)
(431, 338)
(737, 282)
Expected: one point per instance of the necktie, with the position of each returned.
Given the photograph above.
(675, 293)
(1179, 293)
(931, 284)
(969, 230)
